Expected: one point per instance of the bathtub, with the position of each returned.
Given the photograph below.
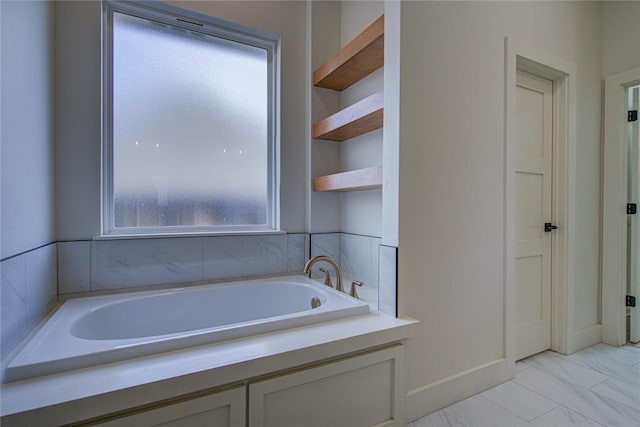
(89, 331)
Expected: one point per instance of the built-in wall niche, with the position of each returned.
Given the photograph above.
(357, 59)
(346, 146)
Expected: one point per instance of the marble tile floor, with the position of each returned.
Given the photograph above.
(598, 386)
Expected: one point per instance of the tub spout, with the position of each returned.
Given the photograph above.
(328, 260)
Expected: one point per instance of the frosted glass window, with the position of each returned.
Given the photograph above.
(190, 135)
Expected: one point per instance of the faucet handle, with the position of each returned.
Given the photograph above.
(353, 292)
(327, 277)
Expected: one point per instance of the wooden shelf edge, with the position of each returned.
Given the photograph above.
(359, 58)
(360, 179)
(357, 119)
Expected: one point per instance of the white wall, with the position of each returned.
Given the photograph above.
(28, 280)
(78, 73)
(27, 127)
(78, 106)
(452, 175)
(620, 36)
(361, 211)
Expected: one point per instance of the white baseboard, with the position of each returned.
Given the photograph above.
(432, 397)
(584, 338)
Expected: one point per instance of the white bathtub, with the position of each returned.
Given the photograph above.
(90, 331)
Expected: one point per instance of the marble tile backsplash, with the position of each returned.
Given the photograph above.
(42, 281)
(388, 273)
(109, 265)
(138, 262)
(13, 297)
(28, 293)
(74, 267)
(359, 258)
(232, 256)
(326, 244)
(297, 252)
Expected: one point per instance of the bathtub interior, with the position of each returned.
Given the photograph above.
(183, 310)
(90, 331)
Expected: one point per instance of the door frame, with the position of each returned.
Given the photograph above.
(563, 75)
(614, 217)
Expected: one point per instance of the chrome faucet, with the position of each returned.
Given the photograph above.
(329, 260)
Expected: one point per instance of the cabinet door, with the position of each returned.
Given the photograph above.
(360, 391)
(226, 408)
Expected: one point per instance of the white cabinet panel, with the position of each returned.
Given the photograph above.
(226, 408)
(360, 391)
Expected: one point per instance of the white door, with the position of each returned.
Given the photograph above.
(633, 282)
(533, 209)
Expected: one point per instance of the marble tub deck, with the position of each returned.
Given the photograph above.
(598, 386)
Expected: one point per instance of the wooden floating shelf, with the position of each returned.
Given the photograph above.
(357, 119)
(359, 58)
(360, 179)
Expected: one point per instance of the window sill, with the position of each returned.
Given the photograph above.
(193, 234)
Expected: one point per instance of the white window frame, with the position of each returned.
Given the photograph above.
(206, 25)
